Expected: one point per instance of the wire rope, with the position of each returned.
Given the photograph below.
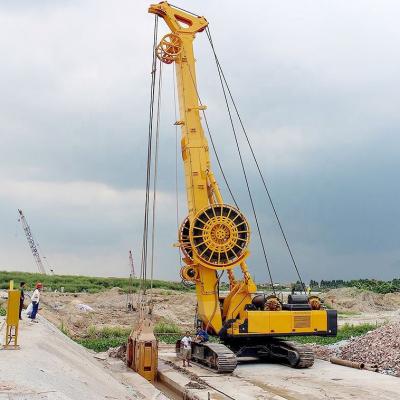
(155, 177)
(247, 185)
(212, 142)
(143, 265)
(208, 32)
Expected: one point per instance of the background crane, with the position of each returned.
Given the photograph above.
(129, 294)
(131, 264)
(31, 242)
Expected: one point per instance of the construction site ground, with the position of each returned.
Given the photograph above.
(109, 308)
(255, 380)
(52, 366)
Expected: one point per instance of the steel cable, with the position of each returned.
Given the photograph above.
(255, 158)
(143, 266)
(247, 184)
(155, 176)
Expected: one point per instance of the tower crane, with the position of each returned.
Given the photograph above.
(31, 242)
(215, 236)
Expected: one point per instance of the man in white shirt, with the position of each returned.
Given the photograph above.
(186, 349)
(35, 301)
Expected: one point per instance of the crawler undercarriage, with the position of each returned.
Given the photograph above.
(223, 359)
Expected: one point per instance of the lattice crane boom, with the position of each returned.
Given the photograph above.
(132, 265)
(31, 242)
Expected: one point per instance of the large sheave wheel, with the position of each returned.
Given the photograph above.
(219, 236)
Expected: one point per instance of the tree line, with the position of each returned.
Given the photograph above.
(374, 285)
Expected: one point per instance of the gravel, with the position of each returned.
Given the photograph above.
(380, 346)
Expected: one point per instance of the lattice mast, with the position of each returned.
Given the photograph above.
(132, 265)
(31, 242)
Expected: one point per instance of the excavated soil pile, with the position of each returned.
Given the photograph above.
(78, 311)
(380, 346)
(357, 300)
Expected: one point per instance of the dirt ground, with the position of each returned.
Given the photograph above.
(110, 308)
(357, 306)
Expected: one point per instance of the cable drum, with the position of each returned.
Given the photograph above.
(219, 236)
(184, 239)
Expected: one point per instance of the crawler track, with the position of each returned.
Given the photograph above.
(291, 353)
(216, 356)
(221, 359)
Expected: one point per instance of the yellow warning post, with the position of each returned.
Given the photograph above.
(12, 318)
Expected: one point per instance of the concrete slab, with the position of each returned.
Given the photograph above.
(211, 385)
(323, 381)
(49, 365)
(253, 380)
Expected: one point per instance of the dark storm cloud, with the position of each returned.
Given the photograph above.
(316, 82)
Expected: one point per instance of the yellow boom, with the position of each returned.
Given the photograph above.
(215, 236)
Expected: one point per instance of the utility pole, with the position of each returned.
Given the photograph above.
(31, 242)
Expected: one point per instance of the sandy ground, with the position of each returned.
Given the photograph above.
(360, 301)
(109, 308)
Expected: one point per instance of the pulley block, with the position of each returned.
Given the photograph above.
(169, 48)
(189, 273)
(219, 236)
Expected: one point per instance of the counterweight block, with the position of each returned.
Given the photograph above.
(219, 236)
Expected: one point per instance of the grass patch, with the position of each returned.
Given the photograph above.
(100, 345)
(167, 332)
(166, 327)
(344, 333)
(77, 283)
(101, 339)
(3, 312)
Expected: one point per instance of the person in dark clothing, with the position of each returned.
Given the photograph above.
(22, 298)
(201, 336)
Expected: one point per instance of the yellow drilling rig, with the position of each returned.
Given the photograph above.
(215, 237)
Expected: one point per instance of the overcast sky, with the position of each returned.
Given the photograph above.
(317, 83)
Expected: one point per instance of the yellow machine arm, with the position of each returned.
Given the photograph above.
(215, 236)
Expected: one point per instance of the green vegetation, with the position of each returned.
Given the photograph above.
(112, 336)
(167, 332)
(3, 312)
(372, 285)
(345, 332)
(76, 283)
(104, 338)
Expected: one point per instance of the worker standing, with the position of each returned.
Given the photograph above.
(35, 301)
(186, 345)
(22, 298)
